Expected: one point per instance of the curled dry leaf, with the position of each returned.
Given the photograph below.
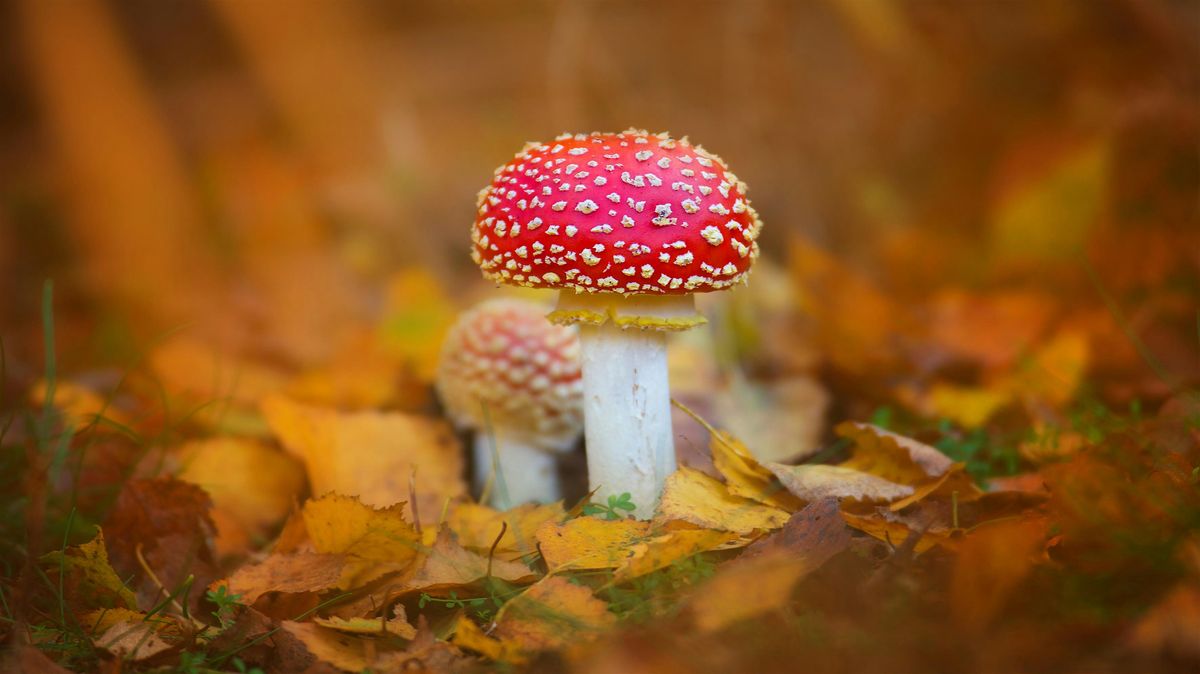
(374, 541)
(895, 530)
(372, 455)
(692, 496)
(814, 482)
(892, 456)
(294, 572)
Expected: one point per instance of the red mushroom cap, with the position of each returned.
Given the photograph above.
(504, 355)
(629, 213)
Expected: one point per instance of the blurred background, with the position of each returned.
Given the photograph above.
(246, 197)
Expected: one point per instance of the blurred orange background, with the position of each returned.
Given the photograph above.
(271, 177)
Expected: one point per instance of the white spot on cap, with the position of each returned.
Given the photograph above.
(571, 229)
(586, 207)
(558, 206)
(712, 235)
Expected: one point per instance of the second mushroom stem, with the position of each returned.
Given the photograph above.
(518, 473)
(627, 413)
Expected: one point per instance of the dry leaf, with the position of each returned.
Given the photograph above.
(99, 621)
(552, 613)
(372, 455)
(296, 572)
(397, 627)
(252, 485)
(447, 564)
(815, 482)
(884, 453)
(659, 552)
(478, 526)
(589, 542)
(744, 475)
(692, 496)
(468, 635)
(896, 532)
(374, 541)
(762, 579)
(95, 581)
(134, 641)
(344, 651)
(1172, 626)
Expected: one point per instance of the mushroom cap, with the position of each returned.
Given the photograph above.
(503, 355)
(628, 213)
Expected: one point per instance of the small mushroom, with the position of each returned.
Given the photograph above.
(628, 226)
(513, 378)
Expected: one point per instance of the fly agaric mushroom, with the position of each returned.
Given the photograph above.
(628, 226)
(513, 378)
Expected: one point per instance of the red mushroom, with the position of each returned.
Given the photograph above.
(513, 378)
(628, 226)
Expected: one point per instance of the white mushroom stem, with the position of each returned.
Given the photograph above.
(626, 392)
(512, 472)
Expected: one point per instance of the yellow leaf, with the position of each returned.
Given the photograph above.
(346, 651)
(814, 482)
(589, 542)
(744, 475)
(375, 542)
(896, 533)
(372, 455)
(955, 482)
(692, 496)
(251, 483)
(967, 406)
(398, 626)
(99, 584)
(100, 620)
(1052, 374)
(890, 456)
(79, 404)
(477, 526)
(468, 635)
(662, 551)
(552, 613)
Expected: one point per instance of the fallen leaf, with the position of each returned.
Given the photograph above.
(99, 621)
(96, 583)
(374, 541)
(447, 564)
(883, 453)
(468, 635)
(744, 475)
(589, 542)
(396, 627)
(295, 572)
(133, 641)
(200, 373)
(762, 579)
(692, 496)
(552, 613)
(372, 455)
(79, 404)
(955, 483)
(249, 482)
(967, 406)
(478, 526)
(659, 552)
(344, 651)
(813, 482)
(416, 318)
(896, 532)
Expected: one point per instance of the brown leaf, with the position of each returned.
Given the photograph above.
(892, 456)
(447, 564)
(762, 579)
(295, 572)
(1172, 626)
(93, 580)
(992, 561)
(23, 659)
(895, 530)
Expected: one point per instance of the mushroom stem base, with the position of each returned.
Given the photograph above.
(510, 473)
(627, 413)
